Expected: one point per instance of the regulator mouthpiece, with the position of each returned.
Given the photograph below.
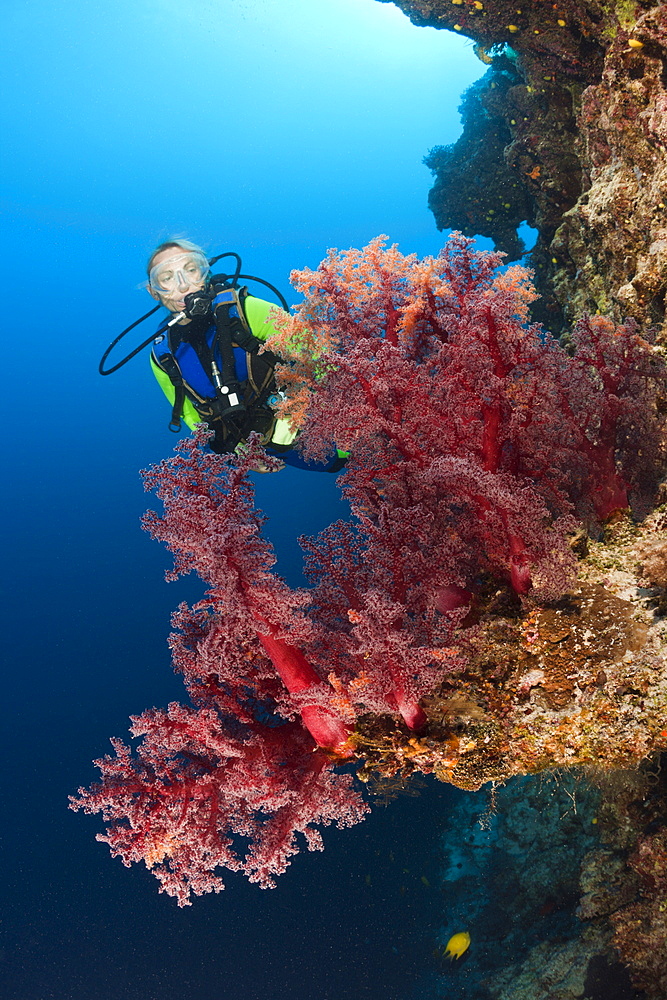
(198, 303)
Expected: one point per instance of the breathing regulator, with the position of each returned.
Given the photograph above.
(197, 304)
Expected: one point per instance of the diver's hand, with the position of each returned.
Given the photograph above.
(261, 467)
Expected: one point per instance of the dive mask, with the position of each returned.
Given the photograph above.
(178, 273)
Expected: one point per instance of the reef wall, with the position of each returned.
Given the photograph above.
(567, 130)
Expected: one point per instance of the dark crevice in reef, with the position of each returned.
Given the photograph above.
(567, 130)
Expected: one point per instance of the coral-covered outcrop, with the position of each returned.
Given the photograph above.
(511, 877)
(476, 191)
(624, 878)
(576, 96)
(641, 927)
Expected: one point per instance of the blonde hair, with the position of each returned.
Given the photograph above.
(187, 246)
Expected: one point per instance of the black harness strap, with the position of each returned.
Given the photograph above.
(236, 326)
(169, 364)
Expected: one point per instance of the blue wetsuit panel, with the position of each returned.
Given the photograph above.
(191, 368)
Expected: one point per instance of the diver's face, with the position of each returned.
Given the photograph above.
(183, 278)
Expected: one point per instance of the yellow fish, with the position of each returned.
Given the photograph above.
(457, 944)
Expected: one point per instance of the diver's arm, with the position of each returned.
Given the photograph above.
(260, 315)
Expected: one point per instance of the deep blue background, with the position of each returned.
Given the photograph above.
(276, 128)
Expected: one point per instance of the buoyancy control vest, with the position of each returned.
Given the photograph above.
(209, 355)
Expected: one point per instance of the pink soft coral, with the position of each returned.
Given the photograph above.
(409, 361)
(475, 441)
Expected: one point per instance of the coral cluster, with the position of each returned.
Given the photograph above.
(576, 95)
(641, 927)
(448, 627)
(234, 767)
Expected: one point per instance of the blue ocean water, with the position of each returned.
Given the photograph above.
(277, 129)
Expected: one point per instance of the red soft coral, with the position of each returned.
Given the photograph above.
(199, 787)
(475, 439)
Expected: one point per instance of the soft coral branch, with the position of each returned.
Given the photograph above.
(210, 525)
(198, 789)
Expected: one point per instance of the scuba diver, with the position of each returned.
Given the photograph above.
(206, 356)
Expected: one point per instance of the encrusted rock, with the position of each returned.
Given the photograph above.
(579, 90)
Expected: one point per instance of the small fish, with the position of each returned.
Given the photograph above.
(457, 944)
